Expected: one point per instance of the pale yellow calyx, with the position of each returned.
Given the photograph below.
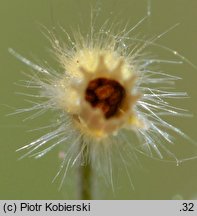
(101, 93)
(90, 60)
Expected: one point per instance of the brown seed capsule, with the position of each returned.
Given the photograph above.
(105, 94)
(90, 96)
(103, 106)
(93, 84)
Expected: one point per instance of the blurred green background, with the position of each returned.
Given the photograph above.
(20, 29)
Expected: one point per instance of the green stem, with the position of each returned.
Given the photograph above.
(85, 174)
